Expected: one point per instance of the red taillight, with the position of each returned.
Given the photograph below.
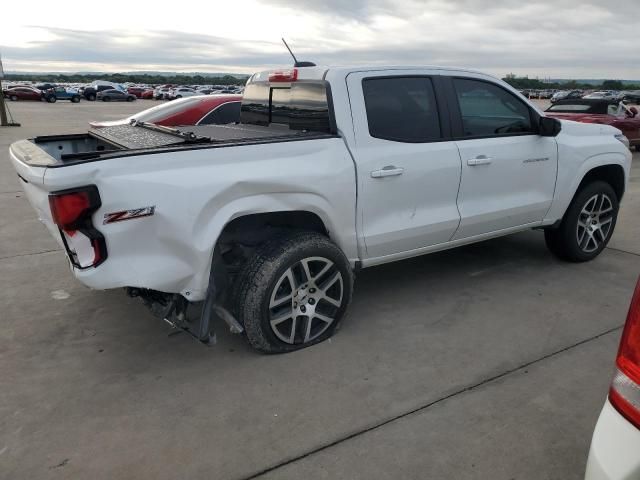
(284, 75)
(68, 208)
(629, 353)
(625, 388)
(71, 211)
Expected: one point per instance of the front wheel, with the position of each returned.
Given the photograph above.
(293, 292)
(587, 226)
(52, 99)
(13, 98)
(638, 148)
(91, 97)
(75, 99)
(106, 99)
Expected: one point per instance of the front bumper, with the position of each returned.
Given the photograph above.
(615, 448)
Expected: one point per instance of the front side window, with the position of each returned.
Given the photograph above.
(402, 109)
(488, 110)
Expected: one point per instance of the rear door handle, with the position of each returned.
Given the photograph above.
(479, 160)
(388, 171)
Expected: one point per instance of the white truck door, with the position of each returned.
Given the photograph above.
(508, 170)
(408, 168)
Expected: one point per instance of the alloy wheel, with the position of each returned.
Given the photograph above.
(594, 222)
(305, 300)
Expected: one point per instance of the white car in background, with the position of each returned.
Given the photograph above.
(181, 92)
(604, 95)
(615, 448)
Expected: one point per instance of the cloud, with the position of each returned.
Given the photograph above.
(563, 38)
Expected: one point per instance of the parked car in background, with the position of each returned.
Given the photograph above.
(615, 446)
(180, 92)
(91, 92)
(46, 86)
(147, 94)
(601, 95)
(566, 95)
(137, 91)
(602, 111)
(631, 97)
(199, 110)
(115, 96)
(61, 93)
(161, 92)
(23, 93)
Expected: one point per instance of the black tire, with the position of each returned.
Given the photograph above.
(75, 99)
(91, 97)
(130, 99)
(51, 99)
(13, 98)
(637, 148)
(576, 243)
(266, 271)
(106, 99)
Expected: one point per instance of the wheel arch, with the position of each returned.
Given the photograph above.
(244, 234)
(611, 167)
(613, 174)
(219, 226)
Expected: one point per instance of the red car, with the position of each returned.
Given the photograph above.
(608, 112)
(23, 93)
(147, 94)
(198, 110)
(137, 91)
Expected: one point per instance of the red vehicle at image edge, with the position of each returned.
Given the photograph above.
(601, 111)
(615, 447)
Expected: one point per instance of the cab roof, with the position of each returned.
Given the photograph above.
(320, 72)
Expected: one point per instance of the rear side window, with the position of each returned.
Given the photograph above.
(489, 110)
(402, 109)
(225, 113)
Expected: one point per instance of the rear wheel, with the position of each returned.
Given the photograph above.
(106, 99)
(51, 99)
(91, 97)
(130, 99)
(638, 148)
(75, 99)
(293, 292)
(13, 98)
(587, 225)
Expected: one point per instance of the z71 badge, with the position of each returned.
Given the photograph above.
(128, 214)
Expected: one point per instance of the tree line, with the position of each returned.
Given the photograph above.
(525, 83)
(144, 78)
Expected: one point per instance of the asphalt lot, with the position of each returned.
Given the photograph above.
(490, 361)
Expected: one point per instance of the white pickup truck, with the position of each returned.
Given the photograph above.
(264, 222)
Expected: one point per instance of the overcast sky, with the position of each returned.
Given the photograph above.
(559, 38)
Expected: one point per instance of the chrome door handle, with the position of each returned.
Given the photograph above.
(388, 171)
(479, 160)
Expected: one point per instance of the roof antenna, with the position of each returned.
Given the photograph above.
(296, 63)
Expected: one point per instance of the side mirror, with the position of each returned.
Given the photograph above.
(549, 127)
